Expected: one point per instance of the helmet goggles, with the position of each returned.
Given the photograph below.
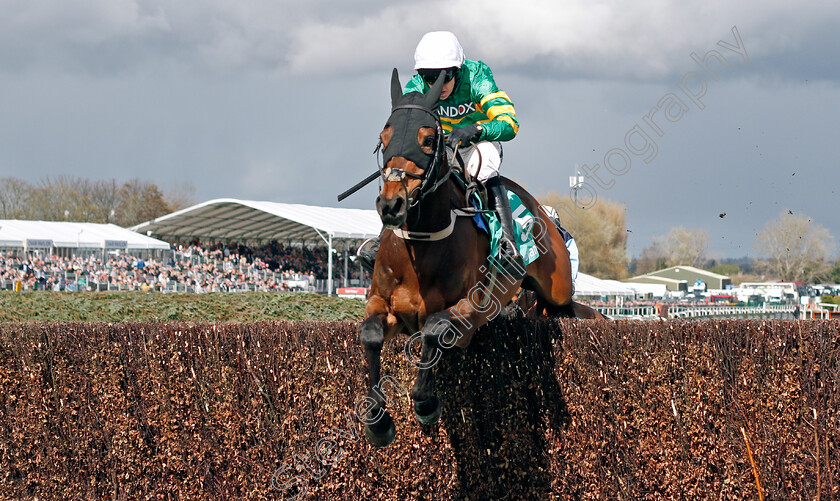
(429, 75)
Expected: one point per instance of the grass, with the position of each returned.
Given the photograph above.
(44, 306)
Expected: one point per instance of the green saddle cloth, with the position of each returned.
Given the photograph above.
(523, 224)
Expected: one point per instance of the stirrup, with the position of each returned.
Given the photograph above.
(367, 257)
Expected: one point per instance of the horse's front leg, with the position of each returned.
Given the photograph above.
(443, 330)
(379, 427)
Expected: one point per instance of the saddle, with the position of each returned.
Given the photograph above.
(487, 221)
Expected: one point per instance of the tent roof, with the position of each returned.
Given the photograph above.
(228, 218)
(15, 233)
(587, 285)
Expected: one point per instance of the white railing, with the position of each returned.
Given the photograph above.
(641, 311)
(820, 311)
(698, 311)
(708, 311)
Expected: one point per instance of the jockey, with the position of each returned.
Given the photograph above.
(477, 117)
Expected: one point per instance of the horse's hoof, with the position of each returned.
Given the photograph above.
(382, 433)
(427, 411)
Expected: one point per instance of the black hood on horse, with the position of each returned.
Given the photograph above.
(409, 113)
(414, 158)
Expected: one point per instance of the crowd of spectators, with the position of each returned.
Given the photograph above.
(188, 268)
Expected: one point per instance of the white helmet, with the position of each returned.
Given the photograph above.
(438, 49)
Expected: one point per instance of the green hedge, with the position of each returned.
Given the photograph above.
(575, 410)
(829, 299)
(49, 306)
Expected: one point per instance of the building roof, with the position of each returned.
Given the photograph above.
(653, 279)
(228, 218)
(690, 269)
(46, 234)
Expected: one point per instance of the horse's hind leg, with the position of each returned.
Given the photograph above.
(561, 311)
(379, 427)
(442, 330)
(551, 274)
(426, 404)
(574, 310)
(584, 311)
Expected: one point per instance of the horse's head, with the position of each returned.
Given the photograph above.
(413, 151)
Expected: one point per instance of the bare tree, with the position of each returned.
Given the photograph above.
(14, 197)
(180, 196)
(139, 201)
(679, 247)
(68, 198)
(653, 257)
(686, 247)
(796, 248)
(600, 232)
(104, 197)
(57, 199)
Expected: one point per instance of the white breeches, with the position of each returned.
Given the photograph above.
(571, 245)
(574, 260)
(486, 155)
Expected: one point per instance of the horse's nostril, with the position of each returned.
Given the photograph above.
(398, 204)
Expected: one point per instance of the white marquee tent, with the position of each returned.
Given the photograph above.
(589, 286)
(50, 235)
(247, 220)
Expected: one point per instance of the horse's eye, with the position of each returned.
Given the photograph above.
(429, 141)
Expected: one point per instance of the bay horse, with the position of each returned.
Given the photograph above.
(431, 275)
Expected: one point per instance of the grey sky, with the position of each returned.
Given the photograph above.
(283, 101)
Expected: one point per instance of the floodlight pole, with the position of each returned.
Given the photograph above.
(346, 264)
(575, 183)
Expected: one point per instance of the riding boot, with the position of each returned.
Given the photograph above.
(512, 262)
(367, 255)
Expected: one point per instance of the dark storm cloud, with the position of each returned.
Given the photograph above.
(642, 40)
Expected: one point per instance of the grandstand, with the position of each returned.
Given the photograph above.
(54, 254)
(259, 222)
(186, 269)
(298, 242)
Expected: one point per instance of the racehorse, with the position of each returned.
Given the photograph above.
(432, 275)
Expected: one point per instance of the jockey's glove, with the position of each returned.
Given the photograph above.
(465, 135)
